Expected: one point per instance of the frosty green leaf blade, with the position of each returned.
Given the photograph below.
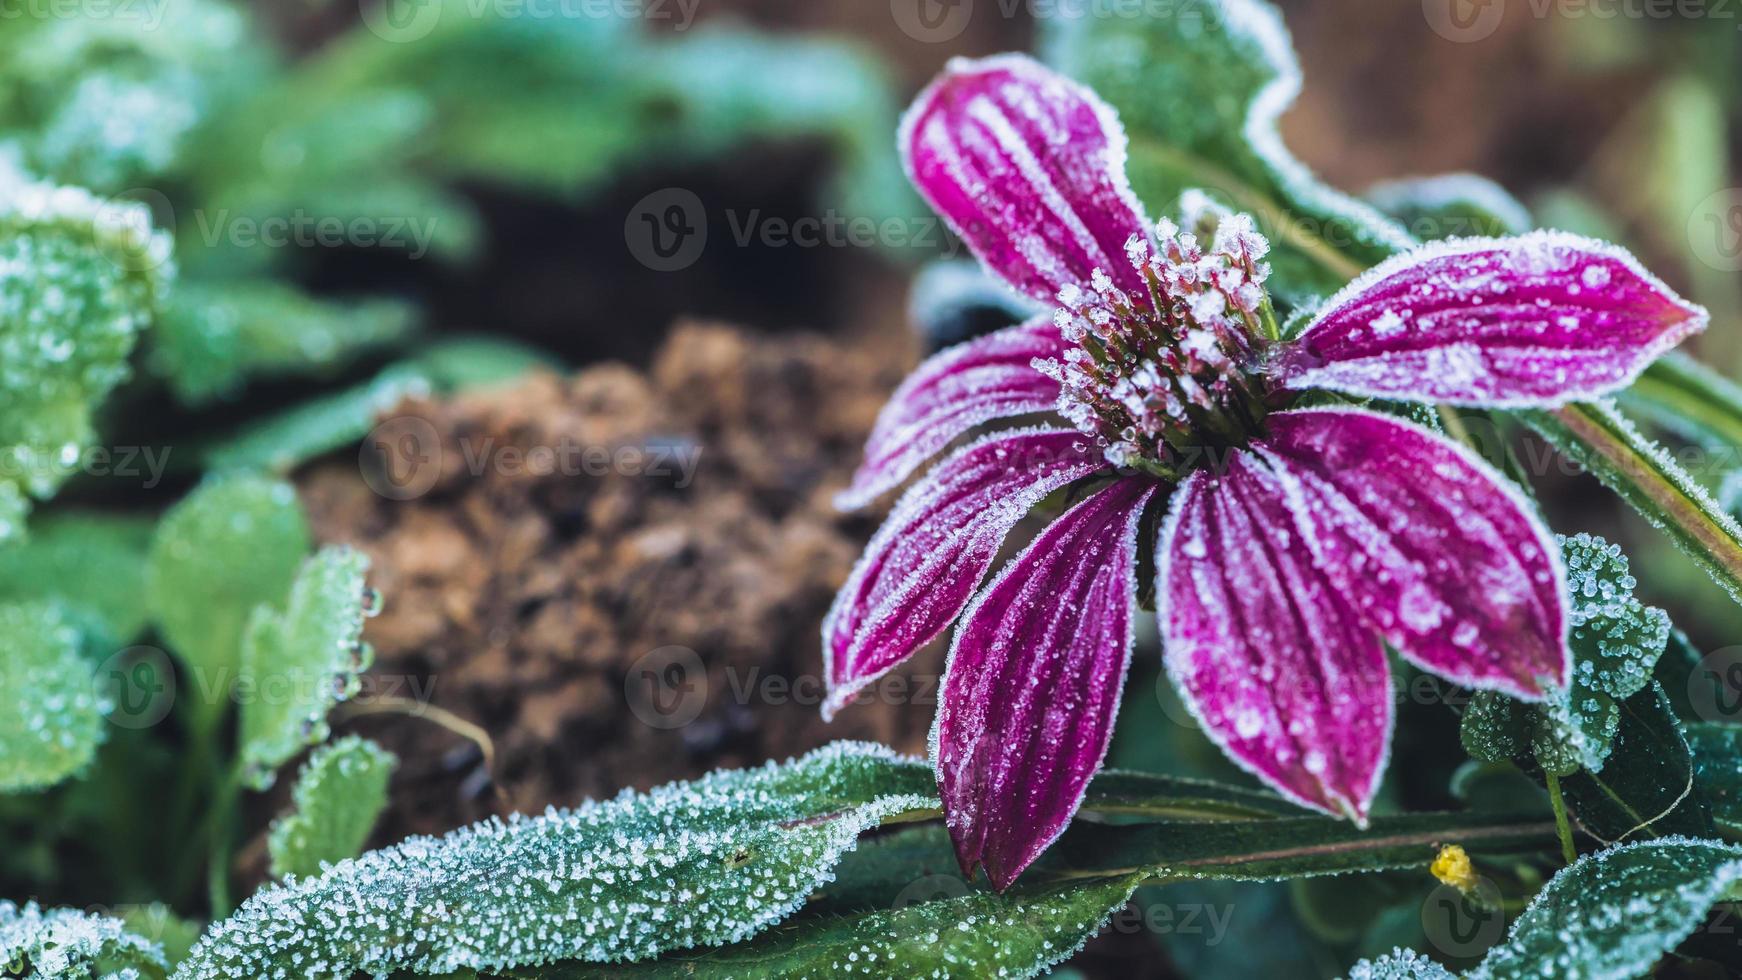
(51, 717)
(690, 864)
(57, 560)
(1690, 400)
(55, 943)
(214, 337)
(1596, 436)
(1018, 934)
(1451, 206)
(1614, 913)
(1176, 797)
(234, 542)
(1199, 88)
(339, 794)
(298, 663)
(1647, 787)
(79, 278)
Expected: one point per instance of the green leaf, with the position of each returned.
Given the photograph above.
(67, 943)
(51, 715)
(1613, 914)
(298, 663)
(339, 794)
(1017, 934)
(1200, 87)
(1647, 787)
(56, 562)
(1596, 436)
(690, 864)
(1615, 641)
(1156, 796)
(81, 278)
(233, 543)
(214, 337)
(281, 442)
(1690, 400)
(1718, 770)
(1451, 206)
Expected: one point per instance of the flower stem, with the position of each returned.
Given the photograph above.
(1561, 826)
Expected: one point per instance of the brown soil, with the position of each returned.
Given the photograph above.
(537, 606)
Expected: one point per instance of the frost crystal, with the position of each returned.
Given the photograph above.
(1400, 964)
(55, 943)
(689, 864)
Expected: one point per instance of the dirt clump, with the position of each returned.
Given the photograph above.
(619, 576)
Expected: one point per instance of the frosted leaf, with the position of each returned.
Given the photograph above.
(213, 337)
(51, 713)
(298, 663)
(1613, 913)
(340, 792)
(233, 543)
(66, 943)
(1018, 934)
(1451, 206)
(57, 559)
(1399, 964)
(1615, 641)
(1200, 88)
(79, 278)
(704, 863)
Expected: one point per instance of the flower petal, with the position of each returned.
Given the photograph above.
(1277, 668)
(1436, 550)
(953, 391)
(924, 564)
(1541, 319)
(1033, 682)
(1028, 167)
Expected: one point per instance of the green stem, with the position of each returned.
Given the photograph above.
(220, 833)
(1562, 827)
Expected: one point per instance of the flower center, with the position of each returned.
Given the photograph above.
(1164, 381)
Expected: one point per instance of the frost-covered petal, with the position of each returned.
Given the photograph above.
(1032, 687)
(953, 391)
(924, 564)
(1434, 548)
(1540, 319)
(1028, 167)
(1277, 668)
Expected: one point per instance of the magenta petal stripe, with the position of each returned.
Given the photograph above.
(1028, 167)
(1277, 669)
(924, 564)
(1432, 546)
(1032, 686)
(1541, 319)
(972, 383)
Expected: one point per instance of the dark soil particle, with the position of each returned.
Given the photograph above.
(619, 576)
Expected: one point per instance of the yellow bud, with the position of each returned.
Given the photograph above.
(1453, 867)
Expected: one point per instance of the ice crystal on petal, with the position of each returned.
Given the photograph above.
(688, 864)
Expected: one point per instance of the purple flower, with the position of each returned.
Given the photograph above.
(1297, 542)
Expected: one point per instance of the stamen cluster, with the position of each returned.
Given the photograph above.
(1158, 378)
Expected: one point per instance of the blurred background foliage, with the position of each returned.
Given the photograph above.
(511, 149)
